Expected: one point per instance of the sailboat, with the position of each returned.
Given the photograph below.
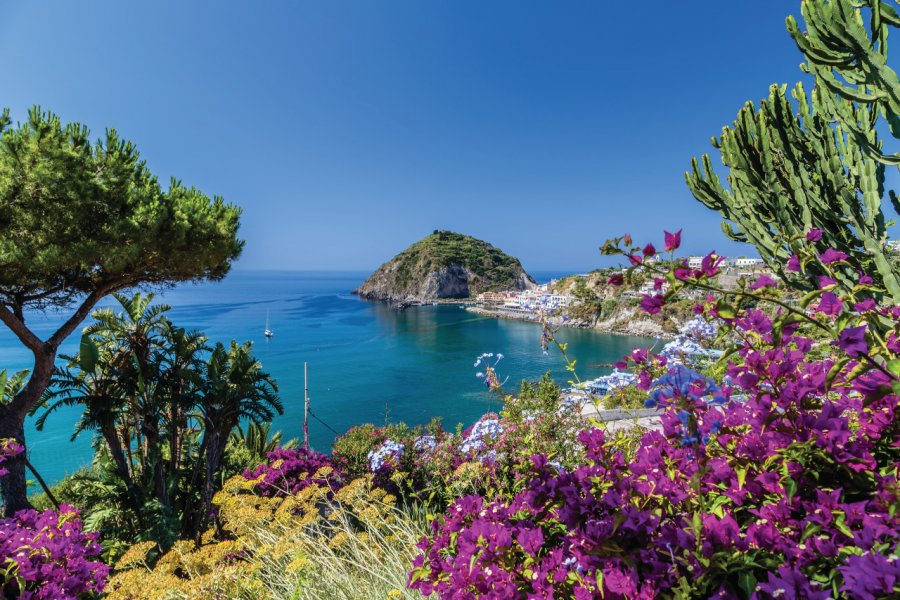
(269, 332)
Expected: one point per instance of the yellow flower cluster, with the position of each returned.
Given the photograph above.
(263, 546)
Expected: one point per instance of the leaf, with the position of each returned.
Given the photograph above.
(835, 370)
(3, 385)
(894, 366)
(804, 302)
(790, 488)
(725, 310)
(88, 354)
(747, 581)
(741, 476)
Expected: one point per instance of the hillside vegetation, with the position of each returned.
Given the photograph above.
(445, 265)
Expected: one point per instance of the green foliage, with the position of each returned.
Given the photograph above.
(79, 221)
(625, 397)
(248, 449)
(535, 397)
(819, 165)
(350, 451)
(163, 406)
(791, 172)
(12, 385)
(80, 217)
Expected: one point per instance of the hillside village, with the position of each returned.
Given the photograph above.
(555, 297)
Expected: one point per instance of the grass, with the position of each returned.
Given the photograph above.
(343, 563)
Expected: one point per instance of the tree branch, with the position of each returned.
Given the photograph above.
(83, 311)
(18, 327)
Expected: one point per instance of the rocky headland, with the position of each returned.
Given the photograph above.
(445, 265)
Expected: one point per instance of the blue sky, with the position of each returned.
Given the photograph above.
(347, 130)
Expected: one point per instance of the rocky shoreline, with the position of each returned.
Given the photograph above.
(637, 327)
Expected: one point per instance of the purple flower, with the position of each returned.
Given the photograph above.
(290, 470)
(50, 555)
(865, 306)
(831, 256)
(649, 250)
(673, 240)
(763, 281)
(652, 304)
(870, 575)
(791, 584)
(793, 263)
(864, 279)
(830, 305)
(852, 340)
(616, 279)
(825, 282)
(814, 235)
(709, 266)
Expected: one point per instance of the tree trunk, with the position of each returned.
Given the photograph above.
(12, 415)
(13, 486)
(111, 435)
(191, 526)
(215, 450)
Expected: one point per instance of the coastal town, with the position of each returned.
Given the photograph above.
(548, 299)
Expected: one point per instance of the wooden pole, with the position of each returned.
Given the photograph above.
(305, 406)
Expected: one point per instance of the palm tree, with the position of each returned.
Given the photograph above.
(180, 365)
(130, 340)
(258, 441)
(95, 386)
(235, 388)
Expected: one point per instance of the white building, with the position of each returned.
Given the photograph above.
(744, 262)
(694, 262)
(649, 288)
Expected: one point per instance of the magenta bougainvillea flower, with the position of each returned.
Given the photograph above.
(853, 341)
(793, 263)
(47, 556)
(780, 480)
(652, 304)
(290, 470)
(814, 235)
(826, 282)
(830, 304)
(831, 256)
(763, 281)
(672, 240)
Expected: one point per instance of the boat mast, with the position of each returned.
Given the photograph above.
(306, 406)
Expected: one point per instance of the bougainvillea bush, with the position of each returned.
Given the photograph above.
(46, 555)
(780, 480)
(491, 457)
(290, 470)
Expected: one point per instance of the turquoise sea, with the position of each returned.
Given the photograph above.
(367, 362)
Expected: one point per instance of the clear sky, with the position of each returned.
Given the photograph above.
(348, 130)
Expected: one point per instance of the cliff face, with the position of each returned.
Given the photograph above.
(445, 265)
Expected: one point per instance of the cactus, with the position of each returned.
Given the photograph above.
(817, 162)
(850, 61)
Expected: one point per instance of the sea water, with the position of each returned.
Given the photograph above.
(368, 363)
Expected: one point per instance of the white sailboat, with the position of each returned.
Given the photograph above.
(269, 332)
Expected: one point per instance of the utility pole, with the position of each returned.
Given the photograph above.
(306, 406)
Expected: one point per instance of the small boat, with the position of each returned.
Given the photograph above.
(269, 332)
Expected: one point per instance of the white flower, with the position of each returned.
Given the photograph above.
(425, 443)
(388, 449)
